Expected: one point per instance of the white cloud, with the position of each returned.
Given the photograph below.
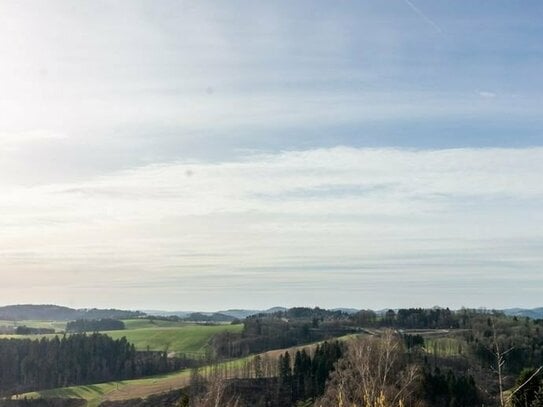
(486, 94)
(128, 84)
(14, 140)
(355, 216)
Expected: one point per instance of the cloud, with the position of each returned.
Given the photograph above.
(347, 215)
(14, 140)
(487, 94)
(325, 179)
(131, 85)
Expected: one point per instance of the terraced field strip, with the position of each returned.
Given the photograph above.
(95, 394)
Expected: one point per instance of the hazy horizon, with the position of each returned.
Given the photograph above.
(206, 155)
(149, 311)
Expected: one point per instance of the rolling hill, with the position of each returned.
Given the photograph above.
(48, 312)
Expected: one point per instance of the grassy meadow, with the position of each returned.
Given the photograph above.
(56, 325)
(445, 347)
(172, 336)
(189, 339)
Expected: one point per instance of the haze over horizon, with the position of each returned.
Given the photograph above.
(206, 155)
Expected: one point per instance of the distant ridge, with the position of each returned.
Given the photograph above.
(534, 313)
(242, 313)
(225, 315)
(346, 310)
(49, 312)
(229, 313)
(160, 313)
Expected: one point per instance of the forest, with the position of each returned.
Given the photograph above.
(433, 357)
(94, 325)
(297, 357)
(24, 312)
(27, 364)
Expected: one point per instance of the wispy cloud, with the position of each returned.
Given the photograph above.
(370, 213)
(138, 173)
(14, 140)
(486, 94)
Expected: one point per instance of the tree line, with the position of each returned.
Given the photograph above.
(26, 312)
(27, 365)
(264, 380)
(94, 325)
(304, 376)
(25, 330)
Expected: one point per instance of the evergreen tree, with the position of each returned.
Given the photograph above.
(528, 393)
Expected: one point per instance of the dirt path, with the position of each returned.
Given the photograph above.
(143, 390)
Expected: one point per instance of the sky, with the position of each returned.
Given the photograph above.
(204, 155)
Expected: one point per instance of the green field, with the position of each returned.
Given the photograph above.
(445, 346)
(61, 325)
(171, 336)
(189, 339)
(56, 325)
(151, 323)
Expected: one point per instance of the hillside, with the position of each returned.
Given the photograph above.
(190, 340)
(48, 312)
(244, 313)
(534, 313)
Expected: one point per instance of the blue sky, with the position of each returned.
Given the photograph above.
(203, 155)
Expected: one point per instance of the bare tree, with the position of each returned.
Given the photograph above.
(500, 355)
(215, 394)
(374, 373)
(522, 385)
